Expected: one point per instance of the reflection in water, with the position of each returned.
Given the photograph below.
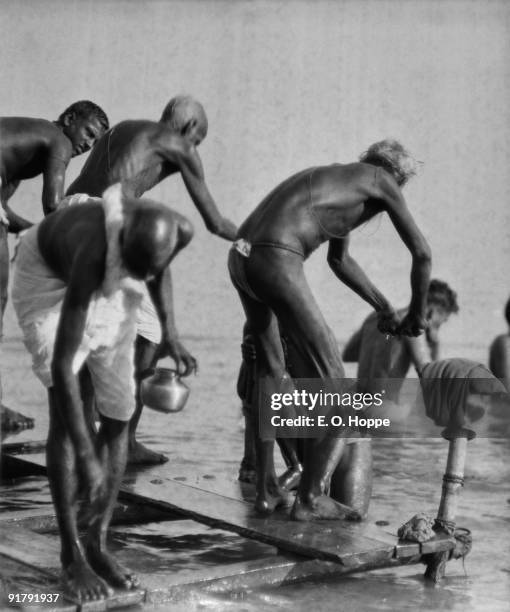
(204, 444)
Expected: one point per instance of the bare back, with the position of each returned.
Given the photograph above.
(25, 146)
(314, 206)
(76, 231)
(131, 153)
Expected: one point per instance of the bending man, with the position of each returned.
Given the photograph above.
(140, 154)
(78, 282)
(30, 147)
(266, 266)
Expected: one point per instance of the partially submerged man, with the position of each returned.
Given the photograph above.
(499, 353)
(266, 266)
(30, 147)
(381, 357)
(77, 286)
(140, 154)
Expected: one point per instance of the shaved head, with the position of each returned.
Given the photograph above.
(148, 238)
(182, 111)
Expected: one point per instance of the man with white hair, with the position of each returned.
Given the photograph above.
(266, 266)
(140, 154)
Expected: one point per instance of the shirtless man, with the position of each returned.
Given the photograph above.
(499, 353)
(266, 266)
(139, 155)
(29, 147)
(380, 357)
(78, 282)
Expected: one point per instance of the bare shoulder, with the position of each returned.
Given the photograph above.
(168, 140)
(500, 344)
(362, 177)
(74, 226)
(383, 183)
(26, 132)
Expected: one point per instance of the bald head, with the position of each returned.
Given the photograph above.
(149, 237)
(183, 113)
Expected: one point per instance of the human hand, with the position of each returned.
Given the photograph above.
(412, 325)
(388, 321)
(228, 230)
(185, 363)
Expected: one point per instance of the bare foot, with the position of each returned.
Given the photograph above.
(291, 478)
(322, 507)
(273, 497)
(111, 570)
(81, 583)
(14, 421)
(139, 454)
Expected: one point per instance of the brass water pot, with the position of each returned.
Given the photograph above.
(162, 389)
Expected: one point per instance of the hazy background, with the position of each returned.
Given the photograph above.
(288, 85)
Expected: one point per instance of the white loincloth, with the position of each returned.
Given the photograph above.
(108, 340)
(147, 324)
(147, 321)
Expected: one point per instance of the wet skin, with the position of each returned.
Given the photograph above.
(30, 147)
(85, 466)
(140, 154)
(312, 207)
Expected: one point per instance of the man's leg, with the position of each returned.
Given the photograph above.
(9, 419)
(315, 355)
(145, 356)
(261, 324)
(290, 448)
(269, 369)
(4, 272)
(351, 482)
(112, 445)
(78, 578)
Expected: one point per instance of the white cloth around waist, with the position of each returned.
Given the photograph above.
(108, 339)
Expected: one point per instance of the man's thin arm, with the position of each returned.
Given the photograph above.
(193, 177)
(417, 352)
(53, 183)
(413, 239)
(432, 337)
(350, 273)
(83, 282)
(161, 292)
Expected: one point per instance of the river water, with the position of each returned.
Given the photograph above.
(205, 441)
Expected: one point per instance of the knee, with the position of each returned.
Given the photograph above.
(113, 428)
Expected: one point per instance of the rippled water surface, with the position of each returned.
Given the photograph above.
(204, 444)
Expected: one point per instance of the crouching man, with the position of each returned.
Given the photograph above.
(77, 285)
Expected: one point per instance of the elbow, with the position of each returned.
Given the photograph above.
(337, 264)
(423, 255)
(333, 261)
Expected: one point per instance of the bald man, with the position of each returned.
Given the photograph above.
(499, 353)
(139, 155)
(78, 282)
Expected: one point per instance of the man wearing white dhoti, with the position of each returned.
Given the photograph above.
(77, 285)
